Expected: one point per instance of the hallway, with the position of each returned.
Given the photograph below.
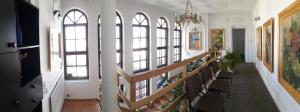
(249, 93)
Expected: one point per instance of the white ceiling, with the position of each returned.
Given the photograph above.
(209, 6)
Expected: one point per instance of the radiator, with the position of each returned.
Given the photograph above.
(57, 96)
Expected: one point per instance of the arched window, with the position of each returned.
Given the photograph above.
(119, 40)
(162, 42)
(75, 27)
(99, 44)
(177, 43)
(140, 44)
(162, 48)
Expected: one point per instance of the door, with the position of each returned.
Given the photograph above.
(238, 41)
(7, 26)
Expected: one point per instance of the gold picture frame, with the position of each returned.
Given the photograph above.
(217, 38)
(289, 64)
(268, 44)
(195, 40)
(259, 43)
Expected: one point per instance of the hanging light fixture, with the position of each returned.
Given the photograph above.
(188, 16)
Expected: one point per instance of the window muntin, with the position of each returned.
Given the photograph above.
(140, 43)
(75, 28)
(177, 43)
(162, 42)
(140, 26)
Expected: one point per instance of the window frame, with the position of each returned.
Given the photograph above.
(75, 52)
(120, 25)
(147, 49)
(166, 29)
(177, 28)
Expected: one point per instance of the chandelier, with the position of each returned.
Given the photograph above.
(188, 16)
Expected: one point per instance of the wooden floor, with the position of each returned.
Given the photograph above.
(81, 106)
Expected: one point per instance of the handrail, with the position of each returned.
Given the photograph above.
(133, 79)
(159, 71)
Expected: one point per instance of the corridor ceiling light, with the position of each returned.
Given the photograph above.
(188, 16)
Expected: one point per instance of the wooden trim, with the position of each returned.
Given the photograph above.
(121, 96)
(133, 104)
(285, 13)
(159, 71)
(269, 23)
(171, 106)
(121, 72)
(132, 92)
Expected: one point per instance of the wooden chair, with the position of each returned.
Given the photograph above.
(208, 102)
(220, 74)
(219, 86)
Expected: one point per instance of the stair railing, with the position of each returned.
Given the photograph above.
(131, 104)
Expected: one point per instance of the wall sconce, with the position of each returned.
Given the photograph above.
(257, 18)
(56, 14)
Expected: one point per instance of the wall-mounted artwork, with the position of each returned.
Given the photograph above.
(54, 48)
(217, 39)
(195, 40)
(289, 50)
(258, 43)
(267, 45)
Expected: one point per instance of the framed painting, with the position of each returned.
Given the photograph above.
(258, 43)
(54, 48)
(289, 50)
(195, 40)
(217, 37)
(267, 44)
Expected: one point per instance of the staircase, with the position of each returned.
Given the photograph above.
(171, 96)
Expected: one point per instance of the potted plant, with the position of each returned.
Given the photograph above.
(230, 60)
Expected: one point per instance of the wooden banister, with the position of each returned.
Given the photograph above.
(133, 79)
(121, 72)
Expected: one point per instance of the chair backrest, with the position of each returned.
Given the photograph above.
(206, 75)
(193, 86)
(216, 66)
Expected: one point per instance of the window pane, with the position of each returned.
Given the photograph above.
(81, 72)
(82, 20)
(71, 71)
(136, 32)
(143, 43)
(71, 15)
(143, 55)
(118, 44)
(118, 58)
(136, 65)
(71, 60)
(69, 32)
(117, 32)
(81, 59)
(136, 56)
(80, 32)
(136, 43)
(81, 45)
(70, 45)
(143, 32)
(67, 21)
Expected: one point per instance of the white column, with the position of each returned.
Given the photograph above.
(108, 55)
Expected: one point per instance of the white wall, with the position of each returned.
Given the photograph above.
(231, 20)
(267, 9)
(49, 77)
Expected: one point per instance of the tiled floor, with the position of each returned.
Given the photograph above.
(81, 106)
